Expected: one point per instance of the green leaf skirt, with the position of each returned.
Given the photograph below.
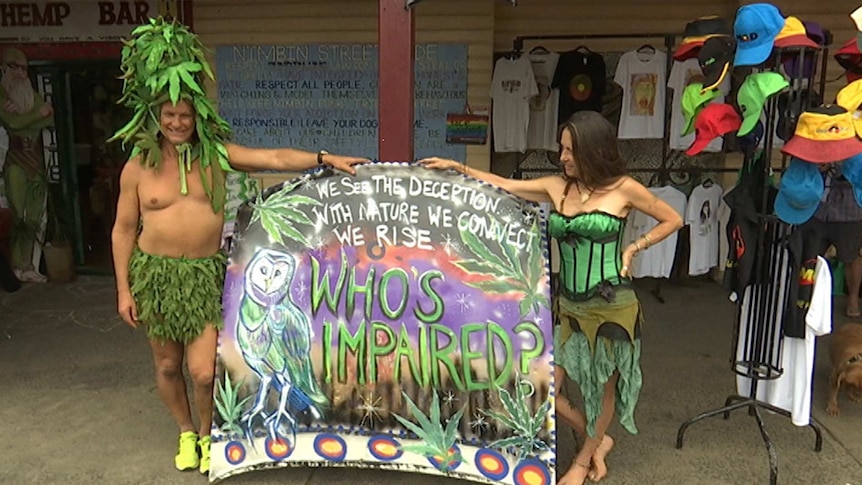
(177, 297)
(590, 359)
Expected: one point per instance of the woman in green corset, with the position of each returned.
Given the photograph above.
(597, 340)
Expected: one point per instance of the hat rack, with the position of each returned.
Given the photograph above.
(757, 348)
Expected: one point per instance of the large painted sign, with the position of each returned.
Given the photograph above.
(398, 318)
(324, 96)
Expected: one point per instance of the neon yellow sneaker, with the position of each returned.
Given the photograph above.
(187, 454)
(204, 445)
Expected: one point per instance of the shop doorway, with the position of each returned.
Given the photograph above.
(93, 90)
(84, 176)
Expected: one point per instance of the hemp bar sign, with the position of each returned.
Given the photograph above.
(398, 318)
(74, 21)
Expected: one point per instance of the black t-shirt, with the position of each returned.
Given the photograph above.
(580, 77)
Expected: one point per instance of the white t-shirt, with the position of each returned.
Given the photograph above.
(512, 86)
(792, 391)
(702, 217)
(542, 132)
(681, 75)
(642, 77)
(656, 261)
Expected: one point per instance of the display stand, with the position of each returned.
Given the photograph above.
(758, 341)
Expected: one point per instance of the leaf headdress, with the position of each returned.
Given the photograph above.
(164, 61)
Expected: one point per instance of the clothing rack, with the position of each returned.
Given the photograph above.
(758, 355)
(662, 173)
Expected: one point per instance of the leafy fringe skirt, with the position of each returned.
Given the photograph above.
(590, 358)
(177, 297)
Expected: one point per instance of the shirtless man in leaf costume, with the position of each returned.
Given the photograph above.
(167, 234)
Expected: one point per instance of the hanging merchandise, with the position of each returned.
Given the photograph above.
(799, 192)
(694, 100)
(697, 33)
(793, 34)
(856, 17)
(702, 218)
(642, 75)
(756, 27)
(713, 121)
(683, 75)
(824, 135)
(542, 131)
(715, 60)
(850, 58)
(790, 106)
(815, 33)
(850, 98)
(656, 261)
(852, 171)
(752, 96)
(580, 77)
(512, 86)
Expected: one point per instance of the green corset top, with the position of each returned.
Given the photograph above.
(590, 246)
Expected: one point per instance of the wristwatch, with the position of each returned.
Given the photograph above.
(320, 155)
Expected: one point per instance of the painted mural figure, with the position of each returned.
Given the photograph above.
(168, 262)
(597, 342)
(24, 114)
(274, 336)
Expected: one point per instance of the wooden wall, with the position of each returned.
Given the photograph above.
(471, 22)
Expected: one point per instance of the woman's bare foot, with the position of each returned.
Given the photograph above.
(600, 468)
(576, 475)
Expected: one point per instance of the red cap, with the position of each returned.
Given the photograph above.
(688, 50)
(713, 121)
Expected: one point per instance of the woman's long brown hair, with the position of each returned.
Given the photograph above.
(595, 149)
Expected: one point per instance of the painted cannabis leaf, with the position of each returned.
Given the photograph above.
(506, 272)
(526, 426)
(438, 441)
(229, 405)
(278, 214)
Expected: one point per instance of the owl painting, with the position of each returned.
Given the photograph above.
(274, 338)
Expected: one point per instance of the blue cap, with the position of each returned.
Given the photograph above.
(756, 27)
(799, 192)
(752, 139)
(852, 171)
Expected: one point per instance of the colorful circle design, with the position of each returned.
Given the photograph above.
(234, 452)
(531, 472)
(385, 448)
(278, 449)
(452, 464)
(581, 87)
(491, 464)
(330, 446)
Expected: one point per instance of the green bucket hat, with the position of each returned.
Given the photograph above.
(752, 95)
(693, 101)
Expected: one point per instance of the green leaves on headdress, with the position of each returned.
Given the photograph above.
(164, 61)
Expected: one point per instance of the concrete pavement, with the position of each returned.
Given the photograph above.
(79, 403)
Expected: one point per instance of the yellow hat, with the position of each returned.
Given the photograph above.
(794, 35)
(850, 98)
(824, 135)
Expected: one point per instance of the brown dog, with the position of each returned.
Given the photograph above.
(845, 351)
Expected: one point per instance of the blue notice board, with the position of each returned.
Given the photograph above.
(324, 96)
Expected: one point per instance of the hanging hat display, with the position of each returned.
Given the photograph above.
(756, 27)
(697, 33)
(791, 60)
(716, 59)
(713, 121)
(694, 98)
(850, 58)
(799, 192)
(752, 96)
(850, 98)
(824, 135)
(793, 34)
